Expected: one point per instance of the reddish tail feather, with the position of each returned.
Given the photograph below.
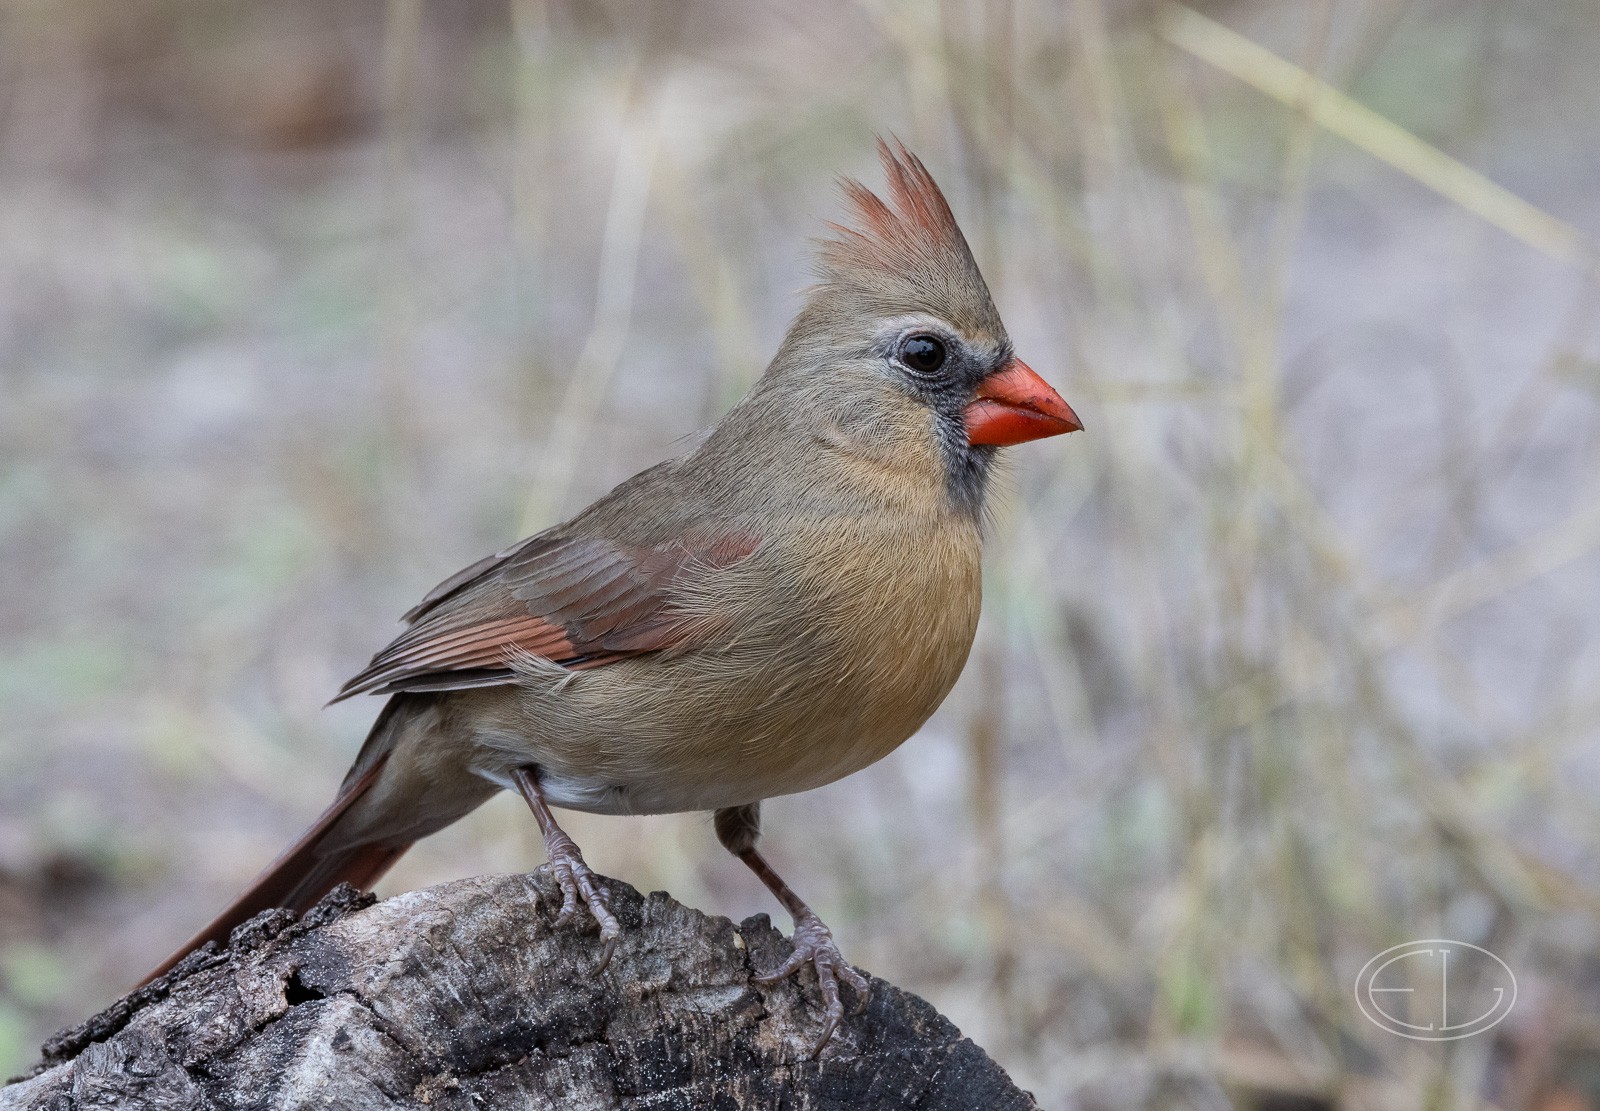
(303, 874)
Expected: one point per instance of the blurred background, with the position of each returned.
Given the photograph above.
(1292, 656)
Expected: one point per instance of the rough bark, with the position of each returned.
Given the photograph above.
(468, 996)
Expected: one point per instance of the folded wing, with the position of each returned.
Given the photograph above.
(579, 601)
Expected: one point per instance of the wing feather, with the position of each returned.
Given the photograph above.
(581, 601)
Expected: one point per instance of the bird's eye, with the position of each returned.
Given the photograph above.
(923, 354)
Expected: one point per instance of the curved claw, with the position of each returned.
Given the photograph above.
(859, 984)
(814, 945)
(579, 883)
(605, 957)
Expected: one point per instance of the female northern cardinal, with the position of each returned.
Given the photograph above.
(772, 612)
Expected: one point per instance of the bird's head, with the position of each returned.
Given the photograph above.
(901, 323)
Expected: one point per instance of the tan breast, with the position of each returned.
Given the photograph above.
(853, 629)
(898, 614)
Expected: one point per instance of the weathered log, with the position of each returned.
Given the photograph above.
(468, 996)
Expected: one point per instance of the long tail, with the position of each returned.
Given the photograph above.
(305, 872)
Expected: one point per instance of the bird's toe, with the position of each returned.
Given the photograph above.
(580, 885)
(814, 945)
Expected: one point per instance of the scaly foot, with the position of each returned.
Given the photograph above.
(578, 882)
(813, 944)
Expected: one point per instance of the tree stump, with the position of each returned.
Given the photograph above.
(468, 996)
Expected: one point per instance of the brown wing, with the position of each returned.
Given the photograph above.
(580, 601)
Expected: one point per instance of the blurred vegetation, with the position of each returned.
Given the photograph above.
(1292, 656)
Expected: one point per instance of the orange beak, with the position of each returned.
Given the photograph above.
(1014, 405)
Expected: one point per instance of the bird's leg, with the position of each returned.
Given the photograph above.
(738, 828)
(575, 877)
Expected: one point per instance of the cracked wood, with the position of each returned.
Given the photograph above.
(466, 996)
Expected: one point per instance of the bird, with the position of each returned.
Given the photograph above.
(767, 613)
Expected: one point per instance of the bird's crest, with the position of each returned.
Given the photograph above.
(909, 249)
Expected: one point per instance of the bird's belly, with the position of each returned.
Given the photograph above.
(647, 794)
(737, 751)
